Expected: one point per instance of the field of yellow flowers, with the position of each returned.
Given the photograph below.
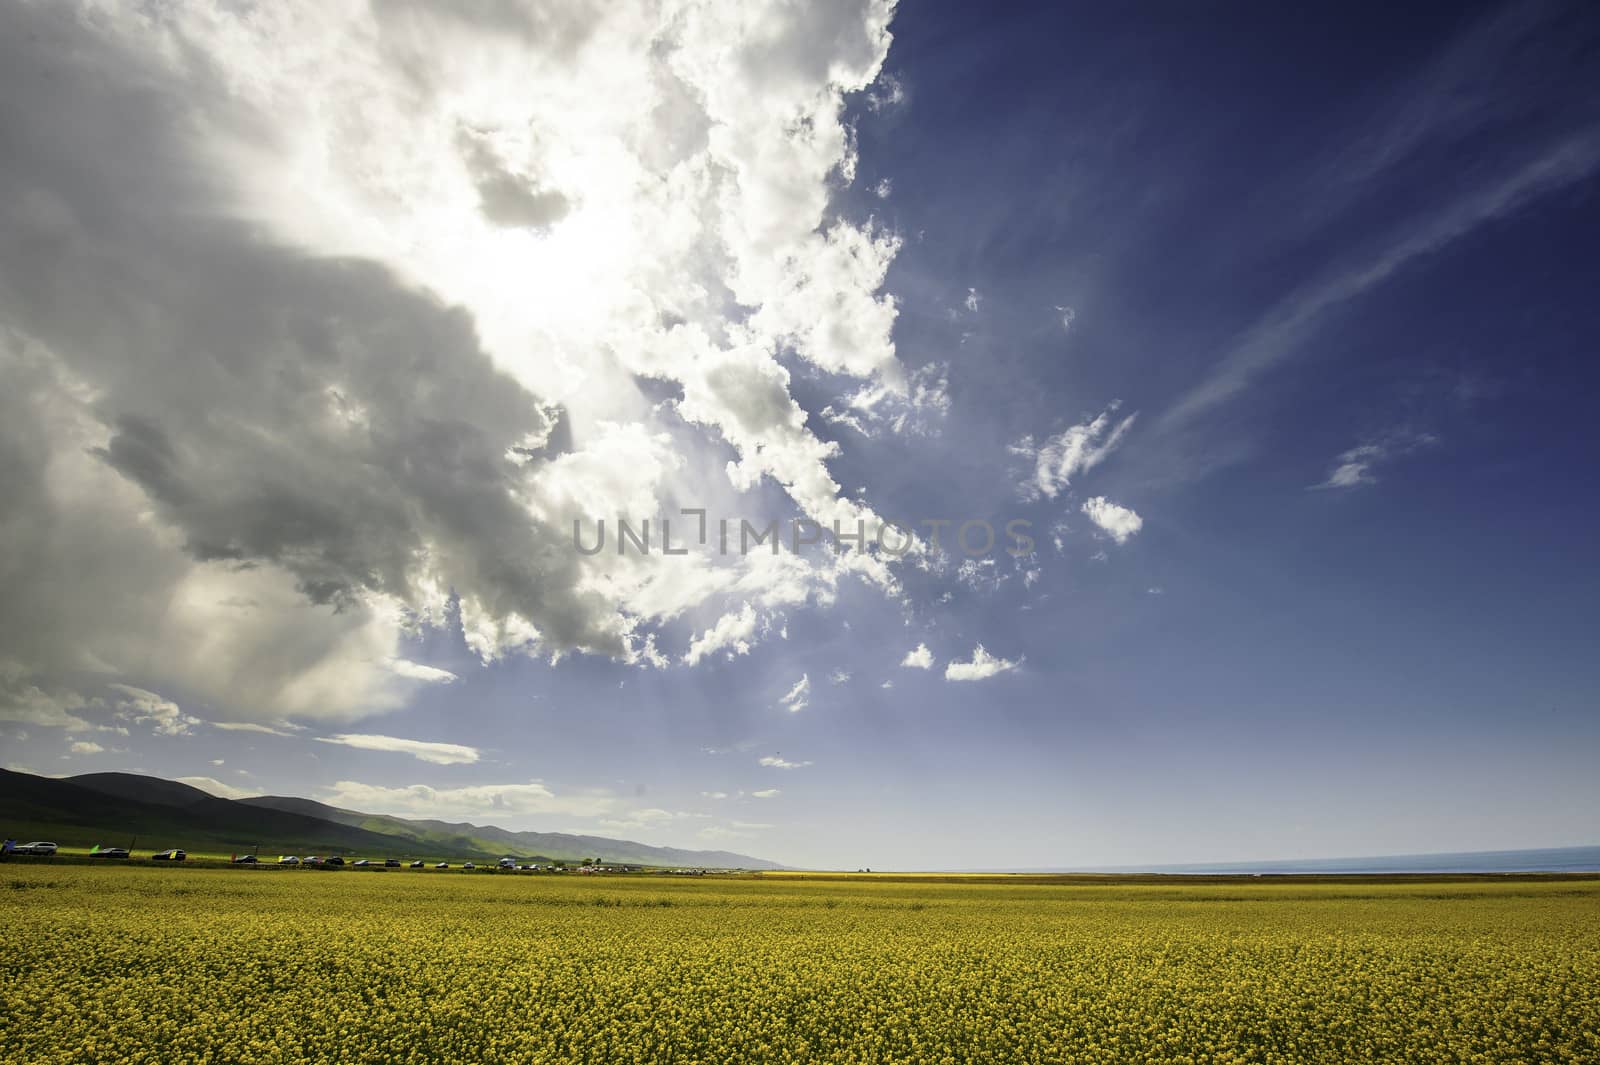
(190, 965)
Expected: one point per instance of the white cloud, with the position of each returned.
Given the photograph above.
(1280, 333)
(212, 786)
(767, 793)
(417, 671)
(85, 747)
(982, 666)
(1068, 316)
(249, 726)
(1117, 522)
(713, 795)
(775, 762)
(147, 708)
(981, 574)
(839, 676)
(27, 704)
(973, 301)
(887, 93)
(732, 631)
(480, 802)
(918, 658)
(436, 753)
(799, 696)
(1076, 449)
(218, 761)
(883, 189)
(533, 211)
(918, 409)
(1355, 466)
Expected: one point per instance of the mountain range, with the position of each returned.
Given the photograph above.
(114, 808)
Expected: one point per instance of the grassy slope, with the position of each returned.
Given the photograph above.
(115, 808)
(75, 815)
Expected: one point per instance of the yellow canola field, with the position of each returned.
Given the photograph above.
(192, 965)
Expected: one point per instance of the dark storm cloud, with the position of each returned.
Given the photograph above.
(313, 413)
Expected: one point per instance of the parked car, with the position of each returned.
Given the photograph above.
(311, 859)
(333, 860)
(507, 863)
(391, 863)
(288, 859)
(172, 855)
(362, 863)
(442, 865)
(243, 859)
(468, 865)
(98, 851)
(38, 850)
(417, 864)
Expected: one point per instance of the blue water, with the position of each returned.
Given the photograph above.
(1546, 860)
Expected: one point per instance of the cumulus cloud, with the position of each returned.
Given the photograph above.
(319, 321)
(478, 802)
(85, 747)
(1117, 522)
(147, 708)
(918, 657)
(732, 632)
(436, 753)
(775, 762)
(799, 696)
(1076, 449)
(767, 793)
(982, 666)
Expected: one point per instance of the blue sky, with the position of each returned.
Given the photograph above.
(1274, 325)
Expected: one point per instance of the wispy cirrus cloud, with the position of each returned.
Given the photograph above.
(799, 696)
(479, 801)
(1075, 450)
(423, 750)
(1357, 466)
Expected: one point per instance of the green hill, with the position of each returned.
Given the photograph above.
(488, 839)
(119, 809)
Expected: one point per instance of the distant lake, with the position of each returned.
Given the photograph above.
(1545, 860)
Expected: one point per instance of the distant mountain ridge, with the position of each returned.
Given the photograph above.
(166, 813)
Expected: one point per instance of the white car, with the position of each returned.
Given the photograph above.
(43, 850)
(288, 859)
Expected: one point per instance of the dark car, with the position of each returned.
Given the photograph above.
(109, 852)
(243, 859)
(442, 865)
(333, 860)
(417, 864)
(173, 855)
(391, 863)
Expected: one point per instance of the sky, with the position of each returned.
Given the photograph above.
(1259, 339)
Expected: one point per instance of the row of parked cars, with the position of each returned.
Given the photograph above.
(43, 849)
(335, 860)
